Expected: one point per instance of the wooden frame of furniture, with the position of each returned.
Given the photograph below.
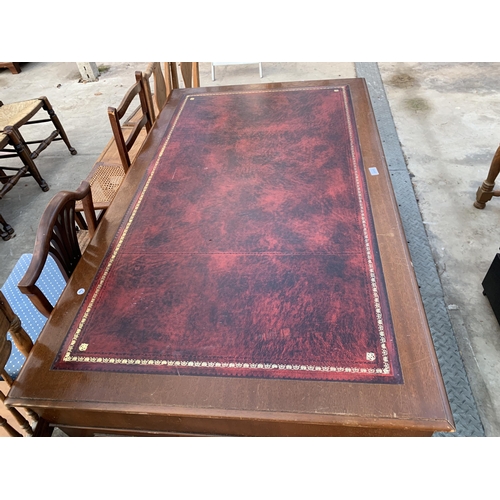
(112, 166)
(19, 114)
(14, 67)
(9, 322)
(6, 230)
(12, 146)
(116, 114)
(163, 83)
(57, 235)
(486, 191)
(89, 402)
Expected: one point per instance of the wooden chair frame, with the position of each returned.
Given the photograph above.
(6, 230)
(59, 134)
(9, 322)
(57, 236)
(163, 84)
(116, 114)
(162, 88)
(12, 146)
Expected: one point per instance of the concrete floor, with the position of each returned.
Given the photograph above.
(447, 118)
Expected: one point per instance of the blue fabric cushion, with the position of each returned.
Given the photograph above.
(51, 283)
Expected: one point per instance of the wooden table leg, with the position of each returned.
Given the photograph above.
(485, 192)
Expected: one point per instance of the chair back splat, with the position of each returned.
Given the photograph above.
(58, 236)
(162, 88)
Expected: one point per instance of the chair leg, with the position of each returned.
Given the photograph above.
(23, 423)
(24, 153)
(7, 231)
(57, 124)
(485, 192)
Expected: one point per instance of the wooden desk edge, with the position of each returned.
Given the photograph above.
(266, 418)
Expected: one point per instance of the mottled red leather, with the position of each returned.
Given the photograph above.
(248, 251)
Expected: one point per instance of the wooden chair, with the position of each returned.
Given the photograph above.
(156, 100)
(52, 283)
(10, 323)
(116, 114)
(163, 84)
(19, 114)
(106, 176)
(59, 236)
(190, 74)
(11, 146)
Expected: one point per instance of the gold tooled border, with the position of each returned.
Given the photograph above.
(68, 357)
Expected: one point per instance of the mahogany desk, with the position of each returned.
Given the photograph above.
(250, 278)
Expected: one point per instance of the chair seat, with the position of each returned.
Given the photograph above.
(51, 282)
(104, 180)
(15, 114)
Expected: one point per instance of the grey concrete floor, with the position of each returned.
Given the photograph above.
(447, 117)
(448, 120)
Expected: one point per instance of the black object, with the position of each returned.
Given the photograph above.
(491, 285)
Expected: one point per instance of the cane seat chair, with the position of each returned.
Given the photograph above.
(64, 234)
(106, 176)
(19, 114)
(14, 116)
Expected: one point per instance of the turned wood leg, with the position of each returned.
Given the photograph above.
(23, 423)
(6, 231)
(485, 192)
(25, 155)
(57, 124)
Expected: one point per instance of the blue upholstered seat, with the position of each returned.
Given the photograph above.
(51, 282)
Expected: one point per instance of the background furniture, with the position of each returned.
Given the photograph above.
(14, 67)
(19, 114)
(12, 146)
(485, 192)
(99, 397)
(163, 83)
(108, 173)
(6, 231)
(491, 286)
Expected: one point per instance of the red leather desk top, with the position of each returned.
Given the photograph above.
(248, 251)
